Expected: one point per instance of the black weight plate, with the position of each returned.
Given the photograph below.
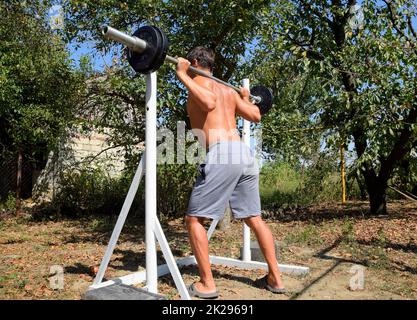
(162, 50)
(266, 98)
(154, 55)
(143, 62)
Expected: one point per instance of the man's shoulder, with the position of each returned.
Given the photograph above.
(203, 80)
(214, 85)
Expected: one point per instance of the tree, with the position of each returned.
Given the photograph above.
(228, 27)
(354, 82)
(38, 87)
(366, 73)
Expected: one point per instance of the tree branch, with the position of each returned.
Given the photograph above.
(92, 158)
(410, 25)
(115, 94)
(347, 15)
(394, 19)
(306, 47)
(229, 66)
(322, 18)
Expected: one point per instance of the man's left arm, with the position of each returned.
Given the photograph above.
(197, 87)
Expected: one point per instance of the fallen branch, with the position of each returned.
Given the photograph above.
(402, 193)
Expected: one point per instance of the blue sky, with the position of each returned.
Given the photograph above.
(87, 49)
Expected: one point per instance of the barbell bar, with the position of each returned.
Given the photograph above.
(148, 50)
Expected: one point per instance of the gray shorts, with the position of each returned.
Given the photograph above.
(229, 174)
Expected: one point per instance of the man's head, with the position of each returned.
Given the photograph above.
(201, 57)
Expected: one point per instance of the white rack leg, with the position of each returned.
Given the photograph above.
(150, 184)
(120, 222)
(172, 264)
(212, 228)
(246, 254)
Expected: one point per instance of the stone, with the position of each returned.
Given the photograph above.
(120, 292)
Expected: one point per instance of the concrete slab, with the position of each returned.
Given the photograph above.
(120, 292)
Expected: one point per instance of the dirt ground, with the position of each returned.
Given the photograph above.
(351, 256)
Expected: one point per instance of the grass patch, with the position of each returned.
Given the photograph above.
(6, 278)
(309, 235)
(283, 184)
(377, 258)
(21, 283)
(279, 184)
(101, 224)
(348, 231)
(43, 233)
(40, 248)
(13, 239)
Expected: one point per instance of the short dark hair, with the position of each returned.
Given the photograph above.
(204, 57)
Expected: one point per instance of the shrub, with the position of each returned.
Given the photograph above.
(279, 184)
(89, 190)
(93, 191)
(175, 183)
(9, 204)
(283, 184)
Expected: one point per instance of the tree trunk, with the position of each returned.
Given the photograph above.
(378, 202)
(19, 180)
(225, 223)
(377, 196)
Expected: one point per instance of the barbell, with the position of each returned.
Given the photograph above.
(147, 51)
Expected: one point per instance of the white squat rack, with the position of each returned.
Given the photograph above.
(153, 229)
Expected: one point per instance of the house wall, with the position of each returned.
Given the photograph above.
(94, 148)
(78, 151)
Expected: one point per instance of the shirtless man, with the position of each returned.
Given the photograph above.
(212, 108)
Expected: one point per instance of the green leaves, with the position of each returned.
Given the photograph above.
(38, 88)
(357, 84)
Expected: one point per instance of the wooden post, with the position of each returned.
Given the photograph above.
(343, 174)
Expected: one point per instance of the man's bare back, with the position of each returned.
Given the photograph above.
(212, 107)
(220, 123)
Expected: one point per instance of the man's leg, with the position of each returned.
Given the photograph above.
(266, 244)
(199, 245)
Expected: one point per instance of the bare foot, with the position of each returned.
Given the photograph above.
(275, 282)
(206, 288)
